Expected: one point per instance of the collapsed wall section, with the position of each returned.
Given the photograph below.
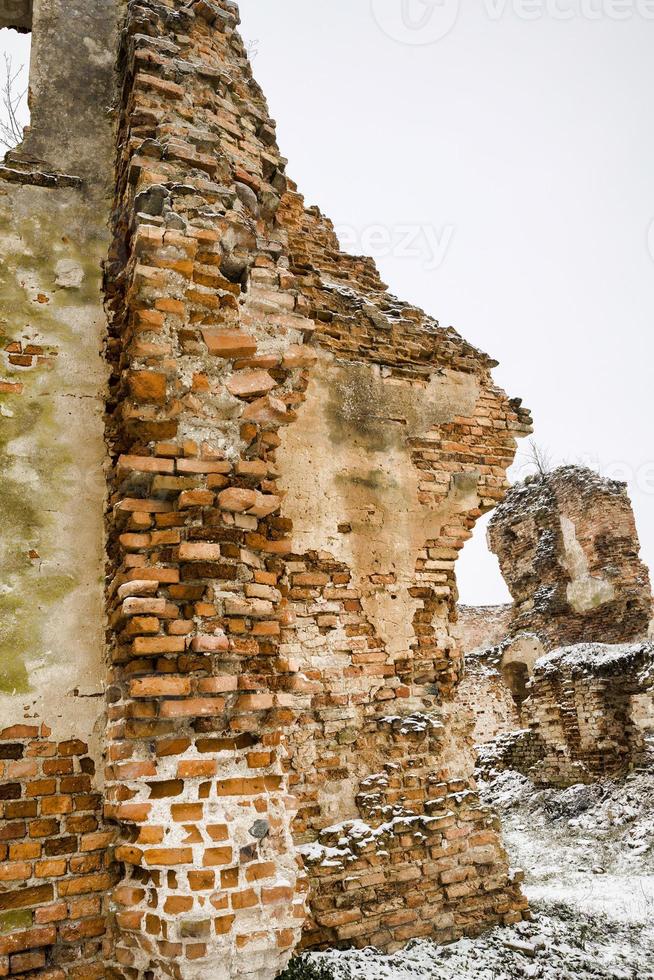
(298, 459)
(590, 714)
(569, 551)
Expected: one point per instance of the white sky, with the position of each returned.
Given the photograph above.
(532, 141)
(17, 46)
(517, 152)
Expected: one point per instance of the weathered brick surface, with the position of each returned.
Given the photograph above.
(55, 864)
(277, 686)
(588, 712)
(568, 548)
(253, 671)
(583, 706)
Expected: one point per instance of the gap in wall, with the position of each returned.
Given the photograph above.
(478, 574)
(15, 51)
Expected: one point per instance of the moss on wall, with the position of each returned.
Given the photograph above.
(40, 471)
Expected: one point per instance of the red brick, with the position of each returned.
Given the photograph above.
(31, 938)
(158, 686)
(192, 708)
(168, 857)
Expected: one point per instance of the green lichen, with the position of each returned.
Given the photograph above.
(15, 921)
(25, 590)
(35, 466)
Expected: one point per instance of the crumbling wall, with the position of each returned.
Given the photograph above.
(296, 460)
(485, 695)
(299, 458)
(55, 200)
(497, 670)
(590, 710)
(569, 551)
(482, 627)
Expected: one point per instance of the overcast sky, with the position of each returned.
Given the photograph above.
(497, 158)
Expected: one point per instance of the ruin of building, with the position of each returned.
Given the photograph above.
(569, 552)
(237, 474)
(565, 696)
(568, 547)
(589, 716)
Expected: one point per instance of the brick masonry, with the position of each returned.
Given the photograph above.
(296, 460)
(568, 548)
(588, 715)
(54, 857)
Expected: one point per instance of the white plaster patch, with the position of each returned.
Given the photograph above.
(69, 274)
(98, 54)
(585, 592)
(352, 490)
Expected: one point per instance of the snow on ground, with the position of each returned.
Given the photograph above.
(591, 847)
(588, 855)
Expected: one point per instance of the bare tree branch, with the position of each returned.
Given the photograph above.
(537, 458)
(11, 105)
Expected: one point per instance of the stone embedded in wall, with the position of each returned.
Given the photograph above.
(569, 551)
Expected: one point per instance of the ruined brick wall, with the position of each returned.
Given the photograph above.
(296, 460)
(589, 714)
(56, 193)
(568, 547)
(585, 705)
(569, 551)
(497, 670)
(482, 627)
(299, 459)
(484, 693)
